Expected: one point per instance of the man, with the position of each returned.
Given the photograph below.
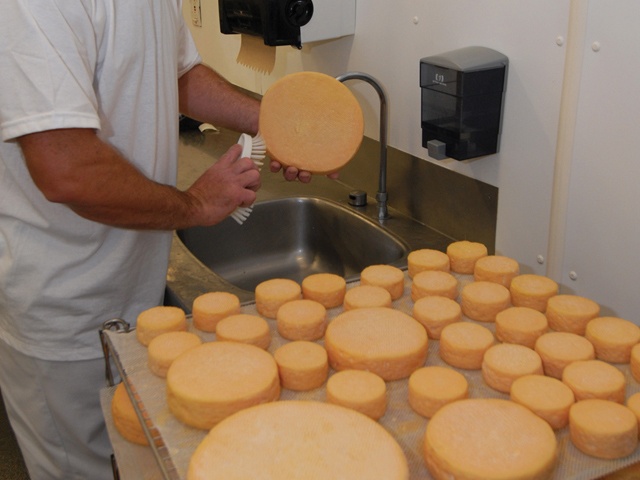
(90, 95)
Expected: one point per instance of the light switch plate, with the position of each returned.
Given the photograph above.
(196, 13)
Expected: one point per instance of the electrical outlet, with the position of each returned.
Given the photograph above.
(196, 13)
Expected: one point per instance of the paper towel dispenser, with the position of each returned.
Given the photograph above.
(462, 102)
(288, 22)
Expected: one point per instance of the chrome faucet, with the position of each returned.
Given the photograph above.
(381, 196)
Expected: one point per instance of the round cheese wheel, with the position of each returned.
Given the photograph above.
(426, 259)
(489, 439)
(363, 296)
(613, 338)
(559, 349)
(431, 388)
(125, 418)
(311, 121)
(435, 313)
(302, 320)
(464, 254)
(482, 301)
(434, 282)
(216, 379)
(244, 328)
(571, 313)
(165, 348)
(521, 325)
(595, 379)
(533, 291)
(359, 390)
(209, 308)
(603, 429)
(302, 365)
(464, 344)
(634, 362)
(158, 320)
(497, 269)
(506, 362)
(325, 288)
(386, 276)
(298, 439)
(272, 294)
(633, 404)
(384, 341)
(547, 397)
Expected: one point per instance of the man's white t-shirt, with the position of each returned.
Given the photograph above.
(109, 65)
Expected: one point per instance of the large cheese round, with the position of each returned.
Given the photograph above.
(521, 325)
(595, 379)
(302, 319)
(547, 397)
(165, 348)
(125, 418)
(571, 313)
(302, 365)
(464, 254)
(272, 294)
(244, 328)
(613, 338)
(633, 404)
(426, 259)
(386, 276)
(311, 121)
(298, 440)
(209, 308)
(496, 268)
(434, 282)
(533, 291)
(463, 344)
(435, 313)
(489, 439)
(384, 341)
(482, 301)
(158, 320)
(217, 379)
(363, 296)
(359, 390)
(559, 349)
(506, 362)
(431, 388)
(325, 288)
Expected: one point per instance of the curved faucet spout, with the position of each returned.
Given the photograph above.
(381, 196)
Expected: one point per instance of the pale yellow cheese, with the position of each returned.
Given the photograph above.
(244, 328)
(482, 301)
(363, 296)
(434, 282)
(559, 349)
(326, 288)
(158, 320)
(633, 404)
(547, 397)
(431, 388)
(384, 341)
(464, 254)
(613, 338)
(506, 362)
(634, 362)
(165, 348)
(426, 259)
(302, 319)
(216, 379)
(125, 418)
(359, 390)
(533, 291)
(497, 269)
(571, 313)
(489, 439)
(463, 344)
(209, 308)
(603, 429)
(272, 294)
(302, 365)
(595, 379)
(521, 325)
(298, 440)
(435, 313)
(386, 276)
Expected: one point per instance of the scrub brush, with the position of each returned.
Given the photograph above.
(255, 149)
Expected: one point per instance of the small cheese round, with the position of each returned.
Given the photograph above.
(158, 320)
(209, 308)
(533, 291)
(363, 296)
(325, 288)
(125, 418)
(302, 365)
(633, 404)
(497, 269)
(359, 390)
(463, 344)
(216, 379)
(435, 313)
(634, 362)
(595, 379)
(386, 276)
(244, 328)
(165, 348)
(434, 282)
(426, 259)
(547, 397)
(464, 254)
(571, 313)
(506, 362)
(384, 341)
(302, 319)
(482, 301)
(613, 338)
(272, 294)
(489, 439)
(431, 388)
(298, 440)
(603, 429)
(521, 325)
(559, 349)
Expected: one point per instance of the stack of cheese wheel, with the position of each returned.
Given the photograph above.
(272, 294)
(165, 348)
(359, 390)
(482, 301)
(520, 325)
(464, 254)
(302, 365)
(435, 313)
(158, 320)
(426, 259)
(504, 363)
(533, 291)
(244, 328)
(613, 338)
(547, 397)
(434, 282)
(125, 418)
(496, 268)
(571, 313)
(463, 344)
(301, 319)
(363, 296)
(431, 388)
(327, 289)
(559, 349)
(595, 379)
(386, 276)
(209, 308)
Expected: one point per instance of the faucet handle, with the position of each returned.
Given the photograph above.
(358, 198)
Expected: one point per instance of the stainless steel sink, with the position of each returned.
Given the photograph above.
(293, 238)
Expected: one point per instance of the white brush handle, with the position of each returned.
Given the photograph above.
(254, 149)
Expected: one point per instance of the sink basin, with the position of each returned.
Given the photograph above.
(293, 238)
